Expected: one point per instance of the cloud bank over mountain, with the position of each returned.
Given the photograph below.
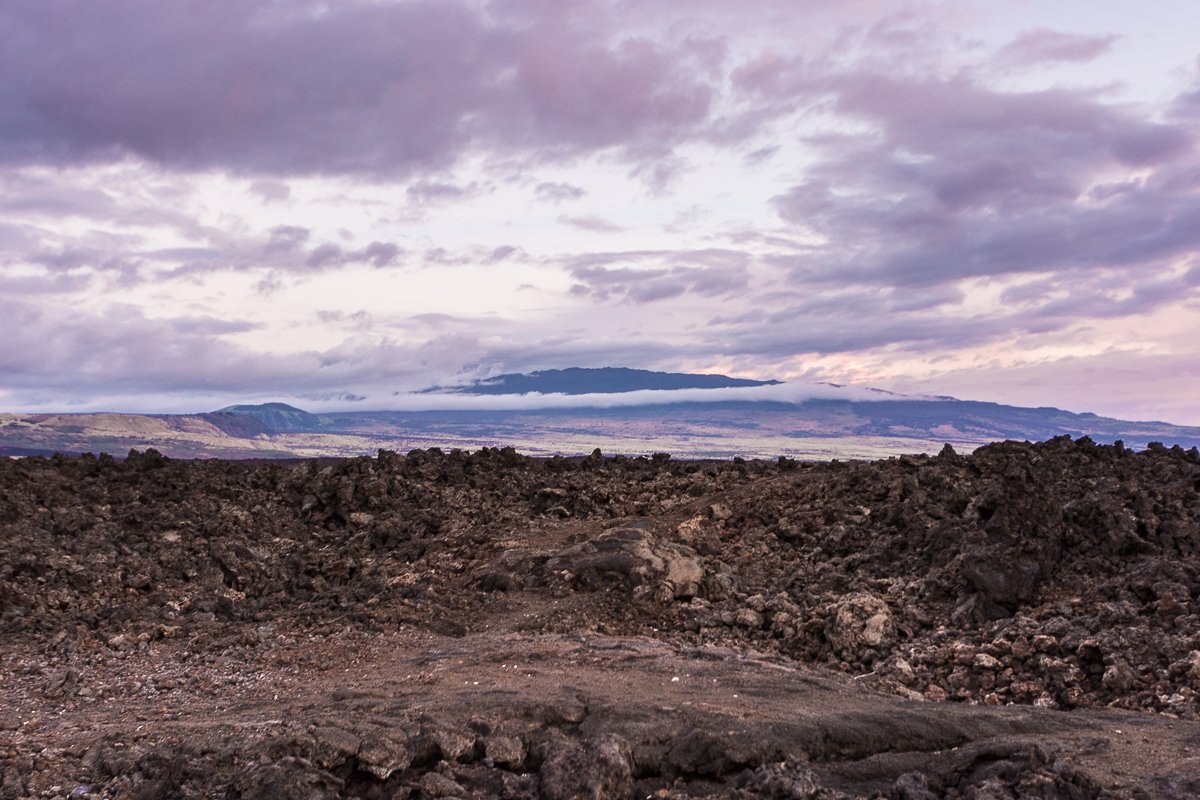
(779, 393)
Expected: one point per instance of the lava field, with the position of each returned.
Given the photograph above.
(1023, 621)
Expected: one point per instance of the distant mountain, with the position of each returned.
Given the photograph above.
(211, 435)
(720, 428)
(276, 417)
(603, 380)
(240, 426)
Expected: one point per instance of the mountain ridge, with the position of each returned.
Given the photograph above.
(860, 424)
(276, 417)
(596, 380)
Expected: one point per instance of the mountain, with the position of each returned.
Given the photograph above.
(276, 417)
(604, 380)
(819, 428)
(237, 425)
(212, 435)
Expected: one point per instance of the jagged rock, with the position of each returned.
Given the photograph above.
(435, 784)
(748, 618)
(381, 754)
(789, 780)
(507, 751)
(453, 745)
(598, 769)
(1119, 677)
(290, 778)
(1059, 575)
(631, 557)
(860, 621)
(335, 746)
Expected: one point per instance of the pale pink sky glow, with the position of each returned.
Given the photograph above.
(203, 203)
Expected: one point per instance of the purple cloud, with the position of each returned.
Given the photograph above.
(368, 89)
(325, 255)
(554, 192)
(959, 180)
(431, 192)
(648, 276)
(286, 239)
(378, 254)
(842, 179)
(592, 223)
(1042, 45)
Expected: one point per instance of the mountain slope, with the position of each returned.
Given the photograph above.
(276, 417)
(213, 435)
(814, 429)
(603, 380)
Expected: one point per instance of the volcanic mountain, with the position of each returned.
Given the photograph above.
(574, 411)
(602, 380)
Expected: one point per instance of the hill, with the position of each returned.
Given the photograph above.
(276, 417)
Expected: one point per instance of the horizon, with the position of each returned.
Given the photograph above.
(202, 206)
(430, 401)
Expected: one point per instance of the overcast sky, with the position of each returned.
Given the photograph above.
(206, 202)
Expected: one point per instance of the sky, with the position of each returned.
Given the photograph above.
(331, 203)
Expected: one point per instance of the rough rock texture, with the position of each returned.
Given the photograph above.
(630, 557)
(1020, 622)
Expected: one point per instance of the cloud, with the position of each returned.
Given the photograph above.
(435, 192)
(330, 255)
(325, 255)
(118, 357)
(1043, 46)
(780, 393)
(932, 321)
(378, 254)
(1119, 382)
(647, 276)
(13, 285)
(554, 192)
(72, 262)
(368, 89)
(593, 223)
(286, 239)
(505, 252)
(271, 191)
(853, 324)
(957, 180)
(1187, 105)
(846, 183)
(52, 350)
(77, 356)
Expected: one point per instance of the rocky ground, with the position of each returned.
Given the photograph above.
(1020, 622)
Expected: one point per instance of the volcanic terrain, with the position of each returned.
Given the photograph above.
(1023, 621)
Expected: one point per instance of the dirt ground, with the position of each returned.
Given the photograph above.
(1020, 622)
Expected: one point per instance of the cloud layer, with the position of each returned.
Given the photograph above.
(372, 89)
(778, 393)
(314, 200)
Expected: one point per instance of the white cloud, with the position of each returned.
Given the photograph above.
(778, 393)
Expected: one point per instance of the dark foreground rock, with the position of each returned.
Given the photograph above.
(1020, 622)
(551, 716)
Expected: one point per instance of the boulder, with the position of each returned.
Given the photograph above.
(858, 622)
(597, 769)
(631, 557)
